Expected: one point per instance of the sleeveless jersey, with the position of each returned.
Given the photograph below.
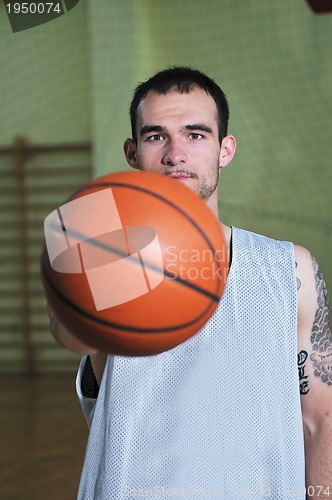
(218, 416)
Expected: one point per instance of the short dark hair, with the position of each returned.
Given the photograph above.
(184, 80)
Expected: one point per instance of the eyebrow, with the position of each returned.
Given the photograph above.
(147, 129)
(199, 126)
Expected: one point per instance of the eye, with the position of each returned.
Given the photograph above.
(155, 138)
(195, 136)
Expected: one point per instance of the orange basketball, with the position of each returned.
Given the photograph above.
(133, 263)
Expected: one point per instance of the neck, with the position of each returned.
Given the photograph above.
(212, 203)
(227, 234)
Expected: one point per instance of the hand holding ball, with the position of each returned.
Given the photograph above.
(134, 263)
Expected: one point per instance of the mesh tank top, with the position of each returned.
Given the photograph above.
(218, 416)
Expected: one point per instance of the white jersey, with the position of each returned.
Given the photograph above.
(218, 416)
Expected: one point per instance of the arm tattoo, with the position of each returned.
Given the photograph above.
(321, 337)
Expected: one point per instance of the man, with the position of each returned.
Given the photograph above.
(230, 412)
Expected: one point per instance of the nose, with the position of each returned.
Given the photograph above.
(174, 154)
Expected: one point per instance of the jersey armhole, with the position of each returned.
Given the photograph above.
(89, 384)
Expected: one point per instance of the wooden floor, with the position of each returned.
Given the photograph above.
(42, 438)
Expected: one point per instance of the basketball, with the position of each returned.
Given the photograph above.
(133, 263)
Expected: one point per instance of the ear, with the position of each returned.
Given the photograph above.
(227, 150)
(130, 151)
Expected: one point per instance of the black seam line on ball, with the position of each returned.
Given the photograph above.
(152, 267)
(128, 328)
(151, 193)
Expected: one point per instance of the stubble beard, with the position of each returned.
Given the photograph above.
(207, 187)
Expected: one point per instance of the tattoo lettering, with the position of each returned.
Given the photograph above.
(301, 359)
(321, 337)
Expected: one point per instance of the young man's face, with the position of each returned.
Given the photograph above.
(177, 136)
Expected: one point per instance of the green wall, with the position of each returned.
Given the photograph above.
(45, 80)
(273, 61)
(72, 80)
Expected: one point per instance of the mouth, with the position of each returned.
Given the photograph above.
(180, 175)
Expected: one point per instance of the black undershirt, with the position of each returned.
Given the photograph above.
(89, 384)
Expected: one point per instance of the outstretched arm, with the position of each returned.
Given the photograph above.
(315, 374)
(66, 339)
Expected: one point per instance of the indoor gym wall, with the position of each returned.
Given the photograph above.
(273, 60)
(72, 80)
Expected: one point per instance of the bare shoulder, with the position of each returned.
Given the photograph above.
(306, 283)
(304, 264)
(312, 293)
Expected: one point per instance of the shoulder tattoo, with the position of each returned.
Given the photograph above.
(321, 337)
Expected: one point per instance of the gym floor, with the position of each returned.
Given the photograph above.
(43, 435)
